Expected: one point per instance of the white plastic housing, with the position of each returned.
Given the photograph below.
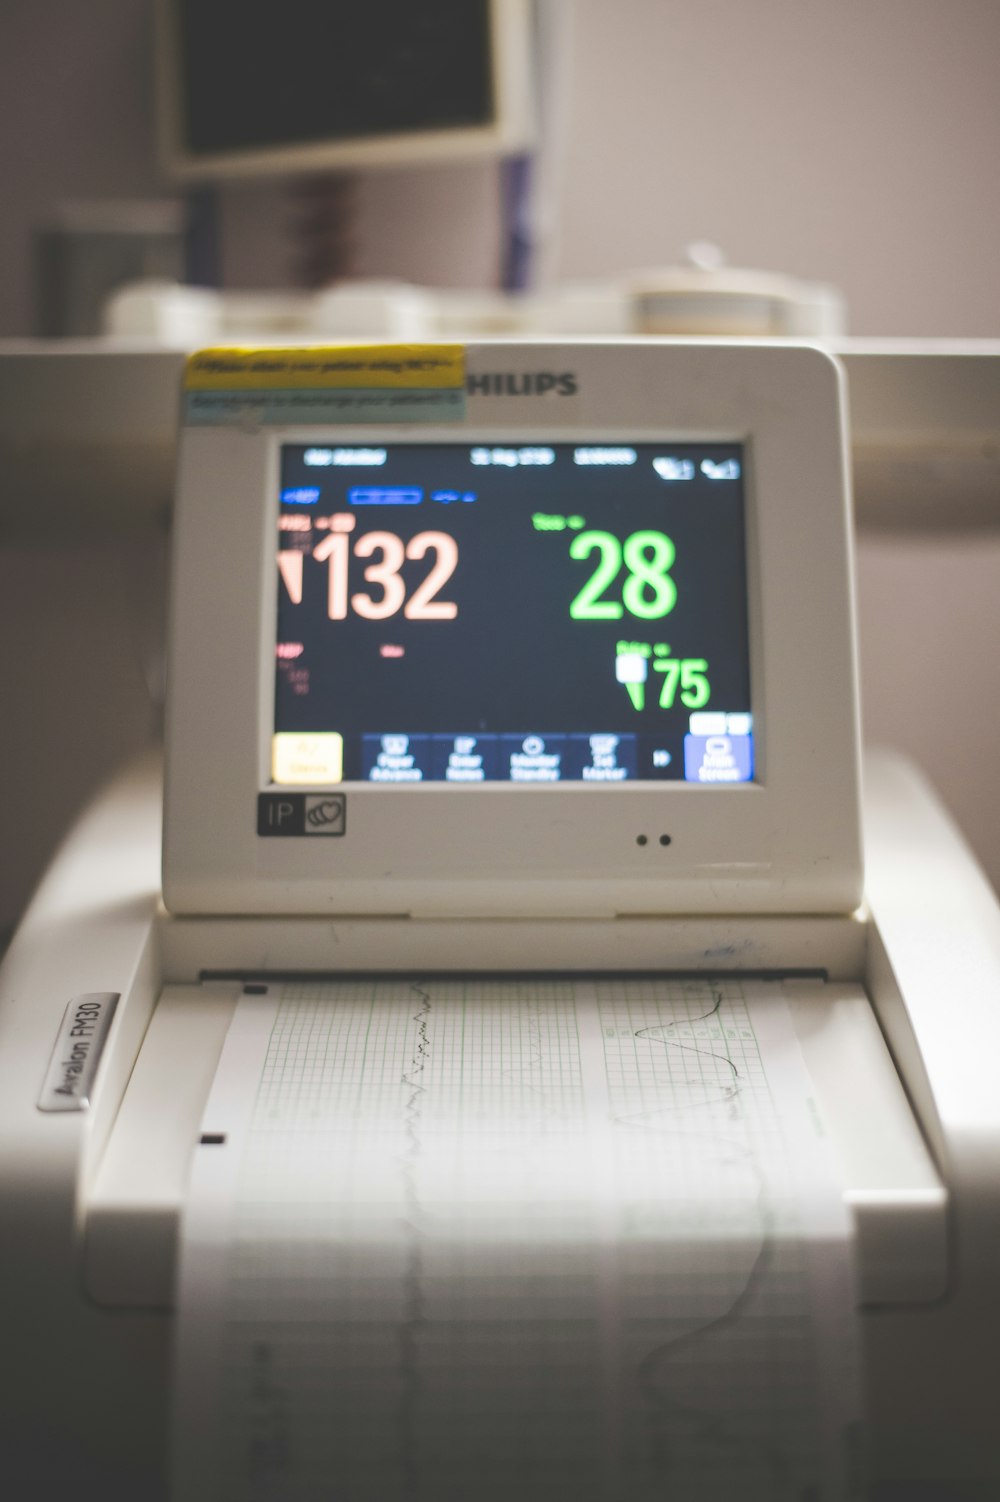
(789, 842)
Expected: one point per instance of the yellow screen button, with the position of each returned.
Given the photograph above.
(307, 759)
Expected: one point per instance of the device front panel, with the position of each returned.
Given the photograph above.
(583, 659)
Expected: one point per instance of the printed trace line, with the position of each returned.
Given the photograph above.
(413, 1315)
(650, 1370)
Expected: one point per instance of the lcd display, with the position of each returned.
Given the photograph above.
(331, 73)
(516, 612)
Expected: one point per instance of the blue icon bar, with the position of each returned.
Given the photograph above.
(473, 757)
(379, 495)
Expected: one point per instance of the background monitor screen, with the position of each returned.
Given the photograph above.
(516, 612)
(254, 76)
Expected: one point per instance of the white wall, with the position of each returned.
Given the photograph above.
(75, 121)
(851, 141)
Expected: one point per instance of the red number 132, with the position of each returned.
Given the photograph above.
(384, 574)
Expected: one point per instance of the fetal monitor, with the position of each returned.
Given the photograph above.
(564, 580)
(505, 667)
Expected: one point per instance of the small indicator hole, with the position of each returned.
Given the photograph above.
(641, 839)
(212, 1139)
(664, 839)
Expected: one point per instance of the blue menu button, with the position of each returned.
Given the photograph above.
(395, 757)
(718, 758)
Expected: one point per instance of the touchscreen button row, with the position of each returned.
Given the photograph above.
(471, 758)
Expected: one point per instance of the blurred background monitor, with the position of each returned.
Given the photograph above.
(247, 87)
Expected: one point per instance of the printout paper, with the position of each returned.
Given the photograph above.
(514, 1241)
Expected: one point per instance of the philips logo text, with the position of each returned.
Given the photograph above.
(526, 383)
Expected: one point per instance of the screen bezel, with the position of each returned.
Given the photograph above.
(788, 841)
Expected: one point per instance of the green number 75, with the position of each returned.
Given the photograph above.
(691, 674)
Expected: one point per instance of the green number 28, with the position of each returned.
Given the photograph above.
(648, 591)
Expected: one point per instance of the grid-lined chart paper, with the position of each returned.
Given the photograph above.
(514, 1241)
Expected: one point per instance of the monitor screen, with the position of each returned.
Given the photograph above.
(529, 613)
(254, 78)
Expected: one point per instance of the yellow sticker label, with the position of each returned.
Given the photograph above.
(347, 366)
